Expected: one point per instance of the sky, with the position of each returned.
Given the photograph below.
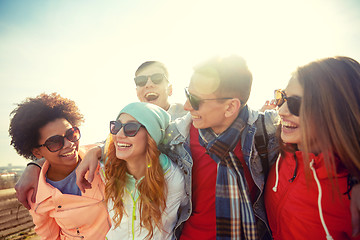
(88, 51)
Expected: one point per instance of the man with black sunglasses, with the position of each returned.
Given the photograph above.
(153, 86)
(215, 148)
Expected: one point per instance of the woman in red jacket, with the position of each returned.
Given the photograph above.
(309, 188)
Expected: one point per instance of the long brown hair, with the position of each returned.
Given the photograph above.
(152, 188)
(330, 111)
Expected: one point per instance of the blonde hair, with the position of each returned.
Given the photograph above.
(330, 111)
(152, 188)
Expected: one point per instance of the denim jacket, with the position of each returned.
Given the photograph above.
(177, 147)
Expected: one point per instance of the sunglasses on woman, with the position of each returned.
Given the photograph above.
(130, 129)
(195, 101)
(156, 78)
(55, 143)
(293, 103)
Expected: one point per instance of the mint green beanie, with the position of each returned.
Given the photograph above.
(154, 118)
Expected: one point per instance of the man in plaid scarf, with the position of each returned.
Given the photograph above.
(214, 146)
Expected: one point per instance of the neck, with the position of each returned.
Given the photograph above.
(225, 125)
(59, 172)
(136, 168)
(314, 148)
(166, 108)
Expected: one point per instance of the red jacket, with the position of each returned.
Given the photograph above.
(65, 216)
(292, 207)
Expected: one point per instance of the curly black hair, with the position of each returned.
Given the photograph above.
(34, 113)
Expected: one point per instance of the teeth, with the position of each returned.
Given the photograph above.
(288, 124)
(151, 94)
(68, 154)
(123, 145)
(195, 117)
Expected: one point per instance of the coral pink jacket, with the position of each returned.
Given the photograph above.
(65, 216)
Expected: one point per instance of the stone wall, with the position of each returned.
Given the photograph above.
(14, 217)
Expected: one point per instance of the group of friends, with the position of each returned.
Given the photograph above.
(209, 169)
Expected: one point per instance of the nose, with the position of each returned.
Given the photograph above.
(149, 82)
(187, 105)
(68, 143)
(284, 110)
(121, 133)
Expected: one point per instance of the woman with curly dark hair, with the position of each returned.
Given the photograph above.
(47, 127)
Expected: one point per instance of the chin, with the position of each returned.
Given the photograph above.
(197, 125)
(290, 139)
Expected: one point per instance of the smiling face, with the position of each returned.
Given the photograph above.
(291, 129)
(130, 148)
(66, 159)
(154, 93)
(211, 113)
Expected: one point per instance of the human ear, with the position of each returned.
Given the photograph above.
(37, 153)
(170, 90)
(233, 107)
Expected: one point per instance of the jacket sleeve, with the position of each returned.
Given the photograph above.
(175, 198)
(45, 226)
(272, 121)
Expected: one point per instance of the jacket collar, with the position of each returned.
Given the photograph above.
(183, 125)
(253, 116)
(45, 190)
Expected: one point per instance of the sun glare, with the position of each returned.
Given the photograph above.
(90, 54)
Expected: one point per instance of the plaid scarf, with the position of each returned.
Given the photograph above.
(234, 213)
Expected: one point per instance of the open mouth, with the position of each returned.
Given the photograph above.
(195, 117)
(151, 96)
(69, 154)
(288, 125)
(123, 145)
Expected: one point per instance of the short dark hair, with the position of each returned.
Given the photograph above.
(34, 113)
(233, 73)
(155, 63)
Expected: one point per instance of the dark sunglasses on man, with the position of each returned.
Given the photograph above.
(293, 102)
(195, 101)
(130, 129)
(55, 143)
(156, 78)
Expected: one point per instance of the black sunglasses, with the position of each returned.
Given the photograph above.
(130, 129)
(156, 78)
(55, 143)
(195, 101)
(293, 103)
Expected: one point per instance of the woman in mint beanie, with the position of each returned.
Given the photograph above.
(144, 189)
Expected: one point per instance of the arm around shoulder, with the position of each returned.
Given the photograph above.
(29, 181)
(88, 164)
(272, 120)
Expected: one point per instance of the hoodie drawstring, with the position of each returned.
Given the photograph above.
(328, 236)
(277, 174)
